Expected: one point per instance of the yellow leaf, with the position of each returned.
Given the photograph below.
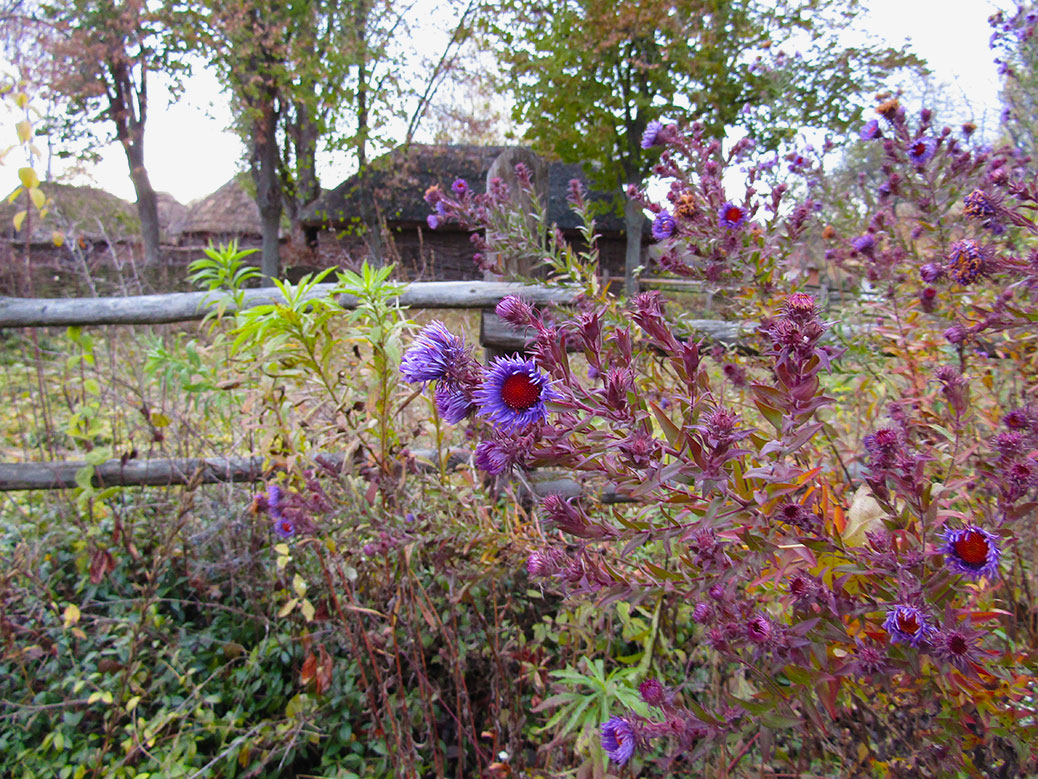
(132, 703)
(21, 100)
(72, 615)
(281, 548)
(307, 608)
(14, 195)
(18, 219)
(24, 129)
(58, 238)
(28, 178)
(287, 608)
(299, 585)
(866, 515)
(38, 198)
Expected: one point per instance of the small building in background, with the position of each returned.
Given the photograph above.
(399, 181)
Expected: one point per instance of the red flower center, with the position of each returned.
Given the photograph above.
(972, 548)
(733, 214)
(519, 392)
(919, 149)
(957, 644)
(286, 526)
(907, 623)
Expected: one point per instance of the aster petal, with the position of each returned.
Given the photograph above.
(514, 394)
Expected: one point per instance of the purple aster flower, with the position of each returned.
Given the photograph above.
(870, 130)
(543, 563)
(284, 527)
(514, 393)
(432, 355)
(703, 612)
(460, 187)
(864, 244)
(492, 457)
(908, 625)
(662, 226)
(921, 150)
(731, 216)
(618, 739)
(453, 403)
(967, 262)
(972, 551)
(651, 134)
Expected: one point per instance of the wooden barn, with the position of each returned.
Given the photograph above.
(399, 182)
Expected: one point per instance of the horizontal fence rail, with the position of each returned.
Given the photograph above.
(192, 306)
(61, 475)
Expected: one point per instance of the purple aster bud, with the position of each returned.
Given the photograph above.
(523, 173)
(514, 394)
(864, 244)
(921, 150)
(800, 307)
(797, 516)
(869, 659)
(543, 563)
(803, 588)
(972, 551)
(618, 739)
(759, 629)
(1021, 418)
(928, 299)
(575, 193)
(1009, 444)
(716, 592)
(870, 130)
(274, 496)
(514, 310)
(369, 550)
(663, 226)
(908, 625)
(953, 385)
(885, 447)
(492, 457)
(433, 221)
(731, 217)
(434, 353)
(736, 374)
(652, 134)
(956, 334)
(652, 692)
(931, 272)
(703, 613)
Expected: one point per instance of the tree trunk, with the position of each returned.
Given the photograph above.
(264, 168)
(634, 221)
(300, 184)
(128, 104)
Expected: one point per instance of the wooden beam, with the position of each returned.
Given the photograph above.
(189, 306)
(175, 471)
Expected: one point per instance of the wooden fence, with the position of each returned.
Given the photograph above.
(193, 306)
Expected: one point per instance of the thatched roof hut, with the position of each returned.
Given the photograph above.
(80, 213)
(400, 179)
(172, 217)
(229, 212)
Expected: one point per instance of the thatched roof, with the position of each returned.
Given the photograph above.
(172, 216)
(76, 212)
(230, 210)
(401, 177)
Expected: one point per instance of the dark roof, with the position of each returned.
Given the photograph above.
(74, 211)
(401, 177)
(230, 210)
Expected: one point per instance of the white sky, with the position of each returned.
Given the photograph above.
(189, 153)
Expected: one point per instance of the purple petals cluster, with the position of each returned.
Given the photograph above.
(514, 394)
(921, 150)
(435, 354)
(967, 262)
(618, 739)
(870, 130)
(663, 226)
(907, 624)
